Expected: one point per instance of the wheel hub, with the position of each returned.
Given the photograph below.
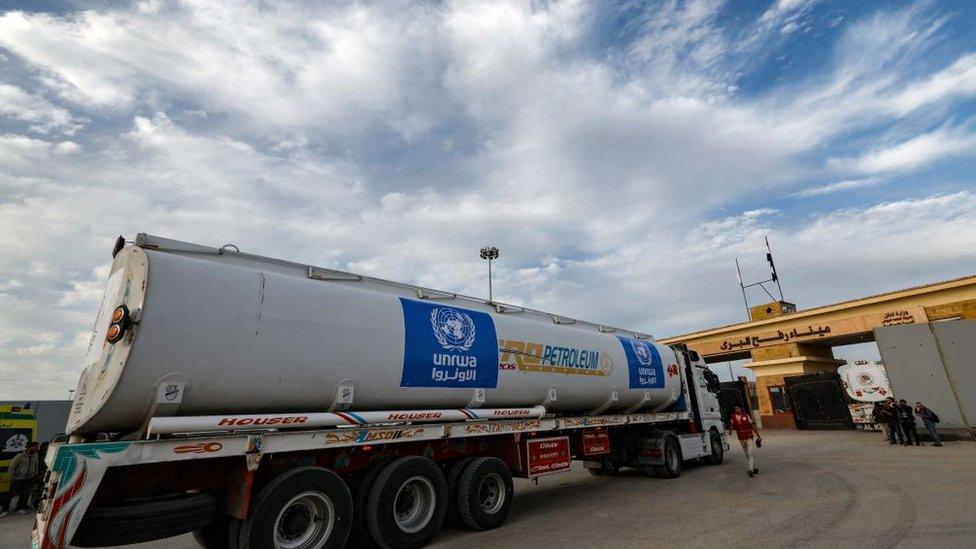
(414, 504)
(295, 521)
(491, 494)
(305, 522)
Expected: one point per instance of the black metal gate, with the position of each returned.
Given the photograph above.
(819, 402)
(730, 395)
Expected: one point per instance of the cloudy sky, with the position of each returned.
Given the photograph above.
(619, 155)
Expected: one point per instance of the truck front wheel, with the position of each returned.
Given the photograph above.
(718, 449)
(484, 493)
(407, 503)
(672, 459)
(304, 508)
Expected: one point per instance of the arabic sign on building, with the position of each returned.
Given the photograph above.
(810, 332)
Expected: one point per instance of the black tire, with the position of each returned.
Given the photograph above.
(144, 520)
(654, 471)
(234, 533)
(672, 459)
(453, 476)
(718, 449)
(608, 467)
(360, 499)
(407, 503)
(215, 535)
(291, 497)
(485, 493)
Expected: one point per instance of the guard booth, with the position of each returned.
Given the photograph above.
(736, 393)
(818, 401)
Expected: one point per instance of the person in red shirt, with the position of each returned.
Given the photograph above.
(746, 430)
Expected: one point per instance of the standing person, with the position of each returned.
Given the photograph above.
(929, 419)
(23, 475)
(906, 416)
(745, 429)
(894, 426)
(881, 419)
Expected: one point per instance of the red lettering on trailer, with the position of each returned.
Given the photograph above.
(409, 416)
(595, 443)
(284, 420)
(547, 455)
(509, 412)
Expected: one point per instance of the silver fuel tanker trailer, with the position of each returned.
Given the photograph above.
(264, 403)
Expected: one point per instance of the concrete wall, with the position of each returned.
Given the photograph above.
(920, 358)
(957, 341)
(52, 416)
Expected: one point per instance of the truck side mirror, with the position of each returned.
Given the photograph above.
(711, 382)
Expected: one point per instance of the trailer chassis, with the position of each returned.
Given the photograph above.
(76, 471)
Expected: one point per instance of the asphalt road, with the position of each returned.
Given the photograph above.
(836, 489)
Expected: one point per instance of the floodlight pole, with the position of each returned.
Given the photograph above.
(490, 253)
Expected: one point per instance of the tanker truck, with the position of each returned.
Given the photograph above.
(262, 403)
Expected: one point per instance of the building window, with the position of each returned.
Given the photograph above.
(777, 396)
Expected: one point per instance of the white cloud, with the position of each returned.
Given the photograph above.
(67, 147)
(396, 140)
(759, 212)
(956, 80)
(783, 8)
(42, 116)
(838, 186)
(21, 151)
(911, 154)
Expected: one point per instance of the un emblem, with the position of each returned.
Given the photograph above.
(642, 351)
(453, 329)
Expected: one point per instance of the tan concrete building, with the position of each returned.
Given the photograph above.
(780, 341)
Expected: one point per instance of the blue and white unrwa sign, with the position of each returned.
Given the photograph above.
(448, 347)
(644, 363)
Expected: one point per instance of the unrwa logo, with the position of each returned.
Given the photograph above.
(643, 352)
(453, 329)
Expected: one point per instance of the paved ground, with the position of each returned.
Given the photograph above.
(835, 489)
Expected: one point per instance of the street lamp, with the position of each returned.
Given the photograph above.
(489, 253)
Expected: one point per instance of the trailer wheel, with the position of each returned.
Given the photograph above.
(672, 459)
(485, 493)
(216, 535)
(360, 500)
(453, 477)
(718, 449)
(150, 519)
(304, 508)
(407, 503)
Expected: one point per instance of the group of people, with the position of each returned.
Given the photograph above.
(25, 472)
(897, 421)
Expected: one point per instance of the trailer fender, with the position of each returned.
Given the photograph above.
(76, 472)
